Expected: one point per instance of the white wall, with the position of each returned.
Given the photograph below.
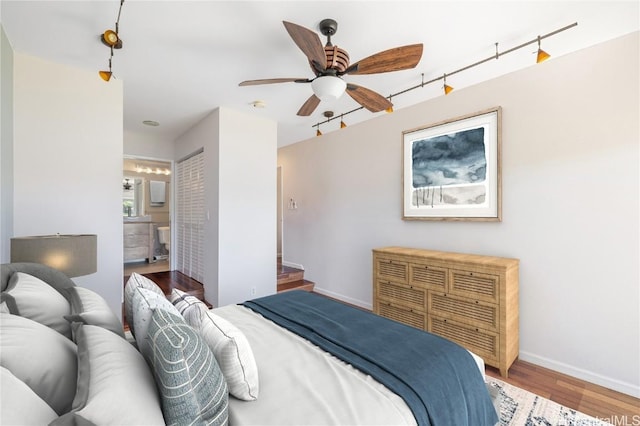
(6, 146)
(570, 206)
(68, 162)
(247, 215)
(145, 145)
(240, 198)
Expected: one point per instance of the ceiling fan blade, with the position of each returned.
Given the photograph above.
(369, 99)
(274, 80)
(396, 59)
(309, 106)
(309, 42)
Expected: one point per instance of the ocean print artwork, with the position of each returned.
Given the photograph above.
(449, 170)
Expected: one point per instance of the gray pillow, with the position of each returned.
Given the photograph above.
(26, 296)
(191, 385)
(90, 308)
(43, 359)
(115, 385)
(19, 405)
(144, 302)
(135, 281)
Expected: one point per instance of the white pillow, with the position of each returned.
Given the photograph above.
(19, 405)
(115, 385)
(136, 280)
(27, 296)
(233, 353)
(90, 308)
(43, 359)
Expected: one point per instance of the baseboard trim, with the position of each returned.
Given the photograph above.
(293, 265)
(579, 373)
(343, 298)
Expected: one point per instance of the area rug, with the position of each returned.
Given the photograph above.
(519, 407)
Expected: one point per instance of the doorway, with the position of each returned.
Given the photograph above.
(146, 206)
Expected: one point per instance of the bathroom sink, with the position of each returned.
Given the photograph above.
(137, 218)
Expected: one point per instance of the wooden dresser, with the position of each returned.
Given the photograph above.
(470, 299)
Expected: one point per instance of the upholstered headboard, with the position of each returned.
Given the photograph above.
(53, 277)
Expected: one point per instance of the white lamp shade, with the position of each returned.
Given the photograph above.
(328, 88)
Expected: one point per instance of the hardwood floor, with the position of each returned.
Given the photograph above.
(597, 401)
(594, 400)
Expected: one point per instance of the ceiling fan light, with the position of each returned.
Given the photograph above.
(105, 75)
(328, 88)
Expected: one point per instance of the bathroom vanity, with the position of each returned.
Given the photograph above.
(138, 240)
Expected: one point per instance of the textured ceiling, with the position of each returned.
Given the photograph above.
(182, 59)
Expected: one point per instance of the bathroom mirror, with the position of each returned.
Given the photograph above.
(132, 196)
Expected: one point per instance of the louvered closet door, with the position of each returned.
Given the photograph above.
(190, 216)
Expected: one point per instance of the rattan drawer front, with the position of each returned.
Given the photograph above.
(432, 277)
(475, 285)
(398, 294)
(403, 315)
(477, 314)
(482, 343)
(392, 270)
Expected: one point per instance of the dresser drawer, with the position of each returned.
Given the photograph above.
(431, 277)
(475, 285)
(472, 312)
(483, 343)
(136, 229)
(404, 315)
(135, 253)
(392, 270)
(403, 295)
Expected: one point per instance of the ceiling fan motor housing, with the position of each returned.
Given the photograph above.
(337, 59)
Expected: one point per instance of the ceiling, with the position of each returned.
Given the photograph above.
(183, 59)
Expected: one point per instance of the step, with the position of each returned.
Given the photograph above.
(287, 274)
(305, 285)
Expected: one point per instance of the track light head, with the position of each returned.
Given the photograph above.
(105, 75)
(542, 55)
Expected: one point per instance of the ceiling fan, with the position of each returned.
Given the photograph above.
(330, 63)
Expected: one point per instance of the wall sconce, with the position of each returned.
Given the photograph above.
(73, 255)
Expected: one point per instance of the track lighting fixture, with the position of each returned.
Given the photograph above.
(542, 55)
(447, 89)
(342, 124)
(390, 109)
(112, 40)
(106, 75)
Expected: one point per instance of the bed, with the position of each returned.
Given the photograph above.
(306, 347)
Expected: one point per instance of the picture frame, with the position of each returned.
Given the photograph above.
(451, 170)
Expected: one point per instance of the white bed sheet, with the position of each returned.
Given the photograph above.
(300, 384)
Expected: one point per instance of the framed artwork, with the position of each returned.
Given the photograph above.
(451, 170)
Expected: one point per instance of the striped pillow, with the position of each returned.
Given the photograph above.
(188, 306)
(191, 385)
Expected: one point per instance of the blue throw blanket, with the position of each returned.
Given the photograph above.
(438, 379)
